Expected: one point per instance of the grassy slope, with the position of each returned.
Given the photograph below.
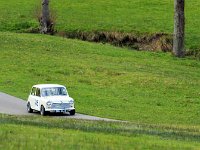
(125, 15)
(105, 81)
(55, 133)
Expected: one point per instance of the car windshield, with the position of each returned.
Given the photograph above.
(54, 91)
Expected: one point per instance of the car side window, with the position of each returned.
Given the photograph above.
(38, 92)
(33, 91)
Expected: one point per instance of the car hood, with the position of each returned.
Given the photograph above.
(58, 99)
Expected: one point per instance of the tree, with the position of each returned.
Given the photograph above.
(46, 24)
(179, 28)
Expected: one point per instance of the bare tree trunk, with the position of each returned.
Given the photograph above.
(45, 18)
(179, 28)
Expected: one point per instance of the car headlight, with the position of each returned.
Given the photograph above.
(71, 101)
(49, 103)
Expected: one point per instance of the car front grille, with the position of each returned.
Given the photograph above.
(60, 105)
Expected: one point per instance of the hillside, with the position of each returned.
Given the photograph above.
(155, 94)
(104, 80)
(138, 16)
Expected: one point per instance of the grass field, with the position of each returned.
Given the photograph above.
(157, 93)
(55, 133)
(105, 15)
(105, 81)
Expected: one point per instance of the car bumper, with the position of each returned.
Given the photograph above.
(60, 110)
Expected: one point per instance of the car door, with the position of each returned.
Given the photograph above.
(32, 97)
(37, 99)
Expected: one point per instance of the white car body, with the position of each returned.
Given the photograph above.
(50, 98)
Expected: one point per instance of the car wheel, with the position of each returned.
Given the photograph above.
(42, 111)
(72, 112)
(29, 109)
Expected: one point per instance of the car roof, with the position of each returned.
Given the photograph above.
(47, 85)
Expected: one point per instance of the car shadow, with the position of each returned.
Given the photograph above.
(52, 114)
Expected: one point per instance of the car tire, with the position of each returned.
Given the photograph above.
(42, 111)
(29, 109)
(72, 112)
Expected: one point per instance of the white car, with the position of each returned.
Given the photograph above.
(50, 98)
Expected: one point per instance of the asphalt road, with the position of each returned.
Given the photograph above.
(15, 106)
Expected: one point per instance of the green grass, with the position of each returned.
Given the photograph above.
(104, 15)
(35, 132)
(104, 81)
(138, 15)
(157, 93)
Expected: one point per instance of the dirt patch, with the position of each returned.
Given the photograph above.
(146, 42)
(193, 52)
(149, 42)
